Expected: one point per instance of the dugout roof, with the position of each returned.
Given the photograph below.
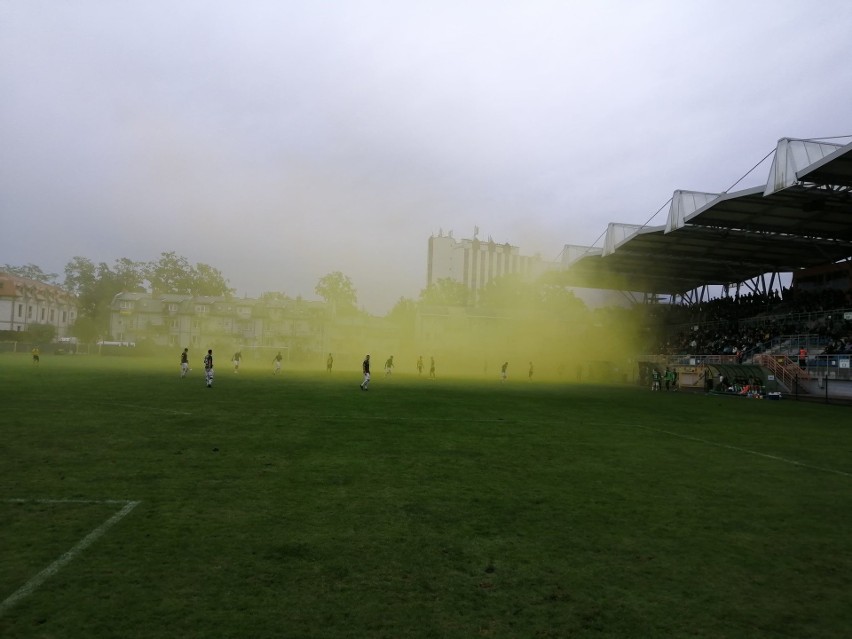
(801, 218)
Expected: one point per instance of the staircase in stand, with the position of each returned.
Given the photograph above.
(786, 371)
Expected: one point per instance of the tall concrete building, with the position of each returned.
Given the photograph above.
(476, 262)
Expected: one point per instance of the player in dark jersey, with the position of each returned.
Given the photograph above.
(208, 368)
(365, 368)
(184, 362)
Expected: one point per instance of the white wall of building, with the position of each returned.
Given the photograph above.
(475, 262)
(24, 302)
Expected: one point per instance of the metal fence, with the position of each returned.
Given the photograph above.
(831, 367)
(827, 389)
(50, 348)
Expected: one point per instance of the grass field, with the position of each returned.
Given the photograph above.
(136, 504)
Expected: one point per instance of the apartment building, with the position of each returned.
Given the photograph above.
(196, 322)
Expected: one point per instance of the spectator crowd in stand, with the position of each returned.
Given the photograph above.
(747, 324)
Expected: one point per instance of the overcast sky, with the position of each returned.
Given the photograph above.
(279, 141)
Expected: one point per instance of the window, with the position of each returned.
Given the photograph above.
(173, 308)
(173, 323)
(200, 308)
(64, 316)
(126, 304)
(20, 310)
(29, 312)
(42, 315)
(52, 315)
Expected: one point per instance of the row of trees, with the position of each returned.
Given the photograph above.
(171, 273)
(95, 286)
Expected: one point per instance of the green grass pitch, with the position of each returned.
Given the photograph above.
(298, 506)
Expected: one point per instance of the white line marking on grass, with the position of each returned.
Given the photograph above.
(29, 587)
(746, 450)
(381, 418)
(64, 501)
(151, 408)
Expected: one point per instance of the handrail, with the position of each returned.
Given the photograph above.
(785, 370)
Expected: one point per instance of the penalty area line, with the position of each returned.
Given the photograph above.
(793, 462)
(30, 587)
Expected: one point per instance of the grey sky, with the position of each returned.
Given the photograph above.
(279, 141)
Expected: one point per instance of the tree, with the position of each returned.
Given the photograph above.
(96, 285)
(404, 316)
(546, 294)
(173, 273)
(83, 277)
(32, 272)
(508, 292)
(557, 299)
(80, 275)
(129, 275)
(403, 312)
(338, 291)
(42, 333)
(554, 297)
(444, 292)
(85, 329)
(209, 281)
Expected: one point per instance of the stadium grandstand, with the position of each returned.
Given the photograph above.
(744, 289)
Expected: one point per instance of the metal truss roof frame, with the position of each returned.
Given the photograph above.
(734, 237)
